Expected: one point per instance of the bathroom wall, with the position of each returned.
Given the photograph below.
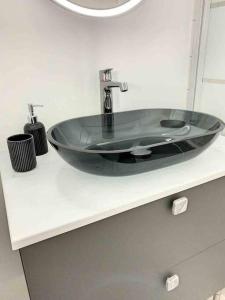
(52, 56)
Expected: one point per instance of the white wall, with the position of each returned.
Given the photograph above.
(215, 57)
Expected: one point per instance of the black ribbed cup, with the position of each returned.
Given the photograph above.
(22, 152)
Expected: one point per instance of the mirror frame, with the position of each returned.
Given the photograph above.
(101, 13)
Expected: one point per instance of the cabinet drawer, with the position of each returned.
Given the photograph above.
(200, 277)
(167, 238)
(171, 239)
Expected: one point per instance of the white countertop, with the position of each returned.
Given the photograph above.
(56, 198)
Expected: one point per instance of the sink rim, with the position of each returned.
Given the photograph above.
(173, 140)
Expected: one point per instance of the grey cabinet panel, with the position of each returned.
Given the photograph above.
(200, 277)
(126, 256)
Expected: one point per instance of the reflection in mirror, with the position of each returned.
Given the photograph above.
(99, 8)
(99, 4)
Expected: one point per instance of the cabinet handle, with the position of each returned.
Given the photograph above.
(180, 206)
(172, 283)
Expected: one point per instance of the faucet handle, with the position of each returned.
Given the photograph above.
(106, 75)
(124, 87)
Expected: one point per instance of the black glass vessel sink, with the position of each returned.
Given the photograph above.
(132, 142)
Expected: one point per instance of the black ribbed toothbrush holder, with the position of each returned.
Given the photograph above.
(22, 152)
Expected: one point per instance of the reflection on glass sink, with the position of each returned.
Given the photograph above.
(133, 142)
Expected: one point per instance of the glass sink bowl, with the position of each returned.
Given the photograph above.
(133, 142)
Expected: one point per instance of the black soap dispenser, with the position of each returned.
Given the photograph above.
(37, 129)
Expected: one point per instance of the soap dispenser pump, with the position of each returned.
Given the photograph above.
(37, 129)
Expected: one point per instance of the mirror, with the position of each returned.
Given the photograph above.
(99, 8)
(99, 4)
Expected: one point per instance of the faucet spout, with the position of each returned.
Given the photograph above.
(123, 86)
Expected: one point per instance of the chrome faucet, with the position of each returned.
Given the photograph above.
(106, 86)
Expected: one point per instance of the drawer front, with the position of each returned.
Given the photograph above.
(200, 277)
(172, 239)
(128, 254)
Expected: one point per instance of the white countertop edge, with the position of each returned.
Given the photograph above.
(18, 244)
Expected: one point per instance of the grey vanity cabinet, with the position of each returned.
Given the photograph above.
(129, 256)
